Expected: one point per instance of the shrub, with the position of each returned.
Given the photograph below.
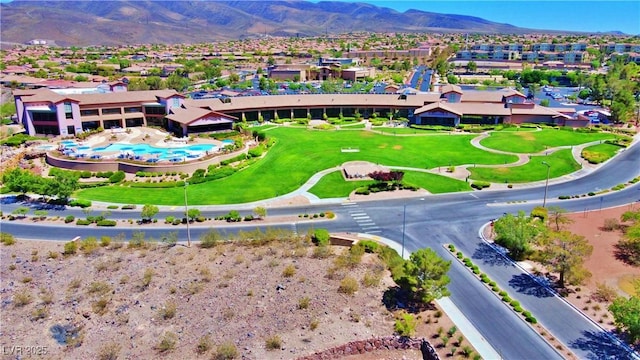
(304, 303)
(226, 351)
(70, 248)
(531, 319)
(209, 239)
(168, 311)
(289, 271)
(405, 325)
(89, 244)
(106, 222)
(273, 343)
(480, 185)
(371, 279)
(611, 224)
(204, 345)
(167, 342)
(369, 245)
(105, 241)
(321, 237)
(109, 351)
(147, 276)
(80, 203)
(22, 298)
(348, 286)
(7, 239)
(83, 222)
(128, 207)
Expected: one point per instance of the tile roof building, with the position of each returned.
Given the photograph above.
(49, 112)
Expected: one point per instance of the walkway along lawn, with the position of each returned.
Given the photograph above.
(530, 142)
(561, 161)
(300, 153)
(334, 185)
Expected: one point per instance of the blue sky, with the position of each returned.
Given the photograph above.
(574, 15)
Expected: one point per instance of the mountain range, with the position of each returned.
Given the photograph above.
(99, 22)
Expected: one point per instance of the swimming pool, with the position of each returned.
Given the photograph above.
(145, 150)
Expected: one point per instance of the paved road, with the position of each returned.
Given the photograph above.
(450, 218)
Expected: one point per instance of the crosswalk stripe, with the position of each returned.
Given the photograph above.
(360, 217)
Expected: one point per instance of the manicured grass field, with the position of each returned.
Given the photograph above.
(600, 153)
(352, 126)
(537, 141)
(333, 185)
(561, 162)
(298, 154)
(402, 130)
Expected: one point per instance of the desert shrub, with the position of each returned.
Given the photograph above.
(167, 342)
(204, 345)
(147, 276)
(604, 293)
(289, 271)
(168, 311)
(304, 303)
(105, 241)
(98, 288)
(226, 351)
(210, 239)
(7, 239)
(100, 306)
(83, 222)
(322, 252)
(405, 325)
(22, 298)
(70, 248)
(69, 218)
(371, 279)
(273, 343)
(39, 313)
(611, 224)
(109, 351)
(89, 245)
(348, 286)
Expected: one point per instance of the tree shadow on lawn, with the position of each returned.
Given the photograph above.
(525, 284)
(490, 255)
(600, 346)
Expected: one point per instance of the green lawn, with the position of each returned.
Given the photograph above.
(536, 141)
(334, 185)
(352, 126)
(600, 153)
(561, 162)
(298, 154)
(403, 130)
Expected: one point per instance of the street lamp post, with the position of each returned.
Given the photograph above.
(404, 222)
(186, 213)
(546, 184)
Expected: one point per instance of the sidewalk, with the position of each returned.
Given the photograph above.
(459, 319)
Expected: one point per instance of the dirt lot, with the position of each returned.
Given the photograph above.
(161, 302)
(603, 264)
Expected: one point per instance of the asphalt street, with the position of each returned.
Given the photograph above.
(432, 221)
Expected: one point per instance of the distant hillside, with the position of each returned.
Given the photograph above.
(134, 22)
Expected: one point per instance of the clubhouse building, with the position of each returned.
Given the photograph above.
(56, 112)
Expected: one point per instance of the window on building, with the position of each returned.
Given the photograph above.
(89, 112)
(111, 111)
(133, 109)
(154, 110)
(44, 116)
(175, 102)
